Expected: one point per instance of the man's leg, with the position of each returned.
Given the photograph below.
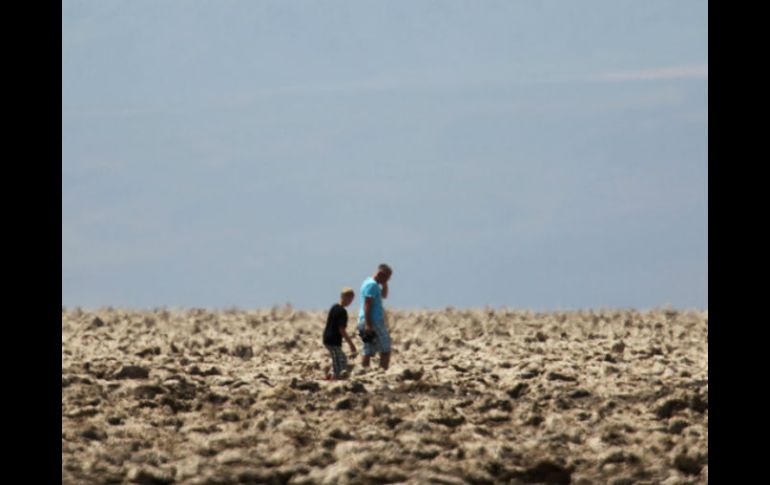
(366, 349)
(383, 344)
(385, 360)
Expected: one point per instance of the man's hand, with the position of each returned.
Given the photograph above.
(368, 328)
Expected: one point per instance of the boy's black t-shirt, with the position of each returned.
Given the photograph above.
(338, 316)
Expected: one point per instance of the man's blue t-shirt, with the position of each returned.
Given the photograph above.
(371, 289)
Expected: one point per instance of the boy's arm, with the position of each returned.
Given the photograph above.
(384, 292)
(345, 335)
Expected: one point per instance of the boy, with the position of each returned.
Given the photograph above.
(336, 322)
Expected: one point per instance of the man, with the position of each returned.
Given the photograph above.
(371, 317)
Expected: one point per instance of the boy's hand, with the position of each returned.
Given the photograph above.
(353, 349)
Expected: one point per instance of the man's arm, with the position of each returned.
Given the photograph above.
(368, 315)
(384, 292)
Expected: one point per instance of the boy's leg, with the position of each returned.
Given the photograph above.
(344, 369)
(333, 371)
(365, 359)
(329, 375)
(339, 361)
(385, 360)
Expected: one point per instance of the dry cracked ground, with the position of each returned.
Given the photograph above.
(480, 396)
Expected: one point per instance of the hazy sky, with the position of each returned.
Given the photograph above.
(528, 154)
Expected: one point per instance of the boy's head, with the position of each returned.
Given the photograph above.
(346, 296)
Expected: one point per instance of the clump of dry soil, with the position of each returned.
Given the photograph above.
(477, 396)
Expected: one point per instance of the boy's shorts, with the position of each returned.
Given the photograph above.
(339, 359)
(380, 344)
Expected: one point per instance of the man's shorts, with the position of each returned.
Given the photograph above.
(380, 344)
(339, 359)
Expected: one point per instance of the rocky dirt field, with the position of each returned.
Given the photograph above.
(480, 396)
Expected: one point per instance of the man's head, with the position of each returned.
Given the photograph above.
(383, 274)
(346, 296)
